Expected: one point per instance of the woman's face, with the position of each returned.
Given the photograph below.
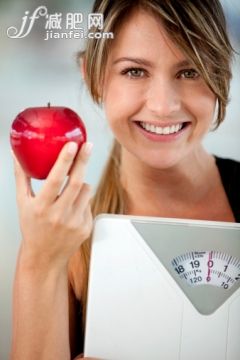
(157, 104)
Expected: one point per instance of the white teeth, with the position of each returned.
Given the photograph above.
(166, 130)
(162, 130)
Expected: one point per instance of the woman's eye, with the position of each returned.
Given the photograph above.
(134, 72)
(189, 74)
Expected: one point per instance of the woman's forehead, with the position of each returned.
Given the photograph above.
(143, 35)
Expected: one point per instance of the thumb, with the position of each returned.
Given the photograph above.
(23, 182)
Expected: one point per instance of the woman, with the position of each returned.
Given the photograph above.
(164, 83)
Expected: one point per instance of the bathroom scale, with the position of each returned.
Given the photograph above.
(163, 289)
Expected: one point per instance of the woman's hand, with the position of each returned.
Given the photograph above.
(56, 221)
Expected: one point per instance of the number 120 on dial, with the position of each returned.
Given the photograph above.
(208, 268)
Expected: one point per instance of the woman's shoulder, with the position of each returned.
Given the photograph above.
(229, 170)
(227, 162)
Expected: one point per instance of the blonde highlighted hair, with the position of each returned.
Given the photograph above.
(108, 199)
(198, 28)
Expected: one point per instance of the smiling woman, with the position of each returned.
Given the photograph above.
(163, 82)
(166, 93)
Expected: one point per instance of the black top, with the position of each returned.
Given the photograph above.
(230, 175)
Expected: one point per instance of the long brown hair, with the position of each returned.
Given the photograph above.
(109, 198)
(198, 28)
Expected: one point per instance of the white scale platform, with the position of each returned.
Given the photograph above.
(163, 289)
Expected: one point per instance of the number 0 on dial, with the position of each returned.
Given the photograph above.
(208, 267)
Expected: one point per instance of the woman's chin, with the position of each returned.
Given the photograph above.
(161, 161)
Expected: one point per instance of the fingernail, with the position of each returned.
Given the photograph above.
(88, 148)
(72, 148)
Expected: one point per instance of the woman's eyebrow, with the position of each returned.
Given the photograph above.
(142, 61)
(183, 63)
(139, 61)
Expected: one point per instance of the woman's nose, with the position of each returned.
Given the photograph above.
(163, 98)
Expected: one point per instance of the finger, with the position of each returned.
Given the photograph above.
(58, 173)
(76, 177)
(83, 199)
(88, 219)
(23, 181)
(85, 218)
(81, 202)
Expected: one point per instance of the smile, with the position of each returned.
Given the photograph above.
(168, 133)
(166, 130)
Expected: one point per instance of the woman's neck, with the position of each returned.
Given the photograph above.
(156, 192)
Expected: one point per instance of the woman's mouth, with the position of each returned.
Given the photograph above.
(162, 133)
(166, 130)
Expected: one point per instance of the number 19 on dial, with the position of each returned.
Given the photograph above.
(208, 268)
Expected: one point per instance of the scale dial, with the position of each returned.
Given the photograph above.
(208, 267)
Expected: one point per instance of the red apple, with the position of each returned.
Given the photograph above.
(38, 135)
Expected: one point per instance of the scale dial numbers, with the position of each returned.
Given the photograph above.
(208, 268)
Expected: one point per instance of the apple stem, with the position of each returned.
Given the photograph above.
(49, 105)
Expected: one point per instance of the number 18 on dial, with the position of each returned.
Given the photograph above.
(208, 268)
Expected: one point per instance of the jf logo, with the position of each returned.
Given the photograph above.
(13, 32)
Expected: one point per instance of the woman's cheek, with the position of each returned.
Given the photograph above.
(200, 101)
(123, 99)
(205, 109)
